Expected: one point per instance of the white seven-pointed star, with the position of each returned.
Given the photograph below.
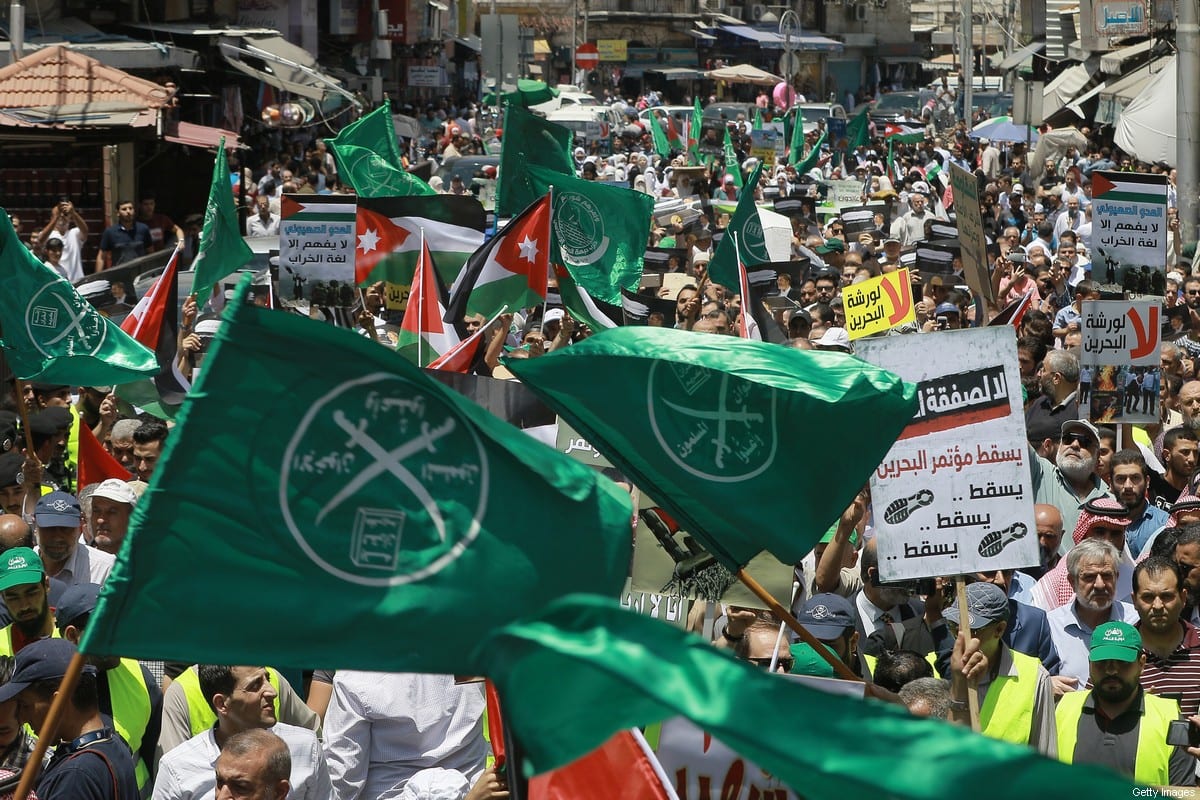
(529, 249)
(368, 240)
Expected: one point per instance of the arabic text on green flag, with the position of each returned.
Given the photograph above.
(529, 140)
(732, 167)
(704, 424)
(598, 231)
(357, 488)
(369, 159)
(222, 250)
(50, 333)
(587, 668)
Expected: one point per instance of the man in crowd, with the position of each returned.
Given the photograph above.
(64, 556)
(1171, 644)
(125, 240)
(1130, 479)
(1180, 446)
(1050, 533)
(243, 699)
(112, 504)
(254, 765)
(25, 590)
(1116, 723)
(1071, 481)
(148, 442)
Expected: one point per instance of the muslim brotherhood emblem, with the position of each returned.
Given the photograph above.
(712, 424)
(579, 228)
(383, 483)
(58, 321)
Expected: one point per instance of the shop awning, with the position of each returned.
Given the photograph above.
(279, 63)
(821, 44)
(702, 36)
(761, 38)
(541, 47)
(677, 73)
(1063, 88)
(470, 42)
(1114, 63)
(1014, 60)
(202, 136)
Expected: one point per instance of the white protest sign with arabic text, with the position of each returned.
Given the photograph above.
(954, 494)
(316, 248)
(702, 768)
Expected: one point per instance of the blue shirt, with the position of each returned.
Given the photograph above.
(1072, 638)
(1138, 534)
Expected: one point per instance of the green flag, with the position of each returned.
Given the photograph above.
(813, 156)
(856, 132)
(751, 242)
(796, 151)
(758, 123)
(694, 131)
(587, 668)
(369, 159)
(661, 145)
(529, 139)
(222, 251)
(732, 166)
(598, 231)
(49, 333)
(361, 508)
(705, 425)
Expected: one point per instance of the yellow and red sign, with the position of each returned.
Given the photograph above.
(877, 304)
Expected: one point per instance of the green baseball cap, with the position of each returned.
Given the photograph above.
(20, 566)
(828, 537)
(1116, 641)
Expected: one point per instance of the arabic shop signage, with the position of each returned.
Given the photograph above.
(1121, 17)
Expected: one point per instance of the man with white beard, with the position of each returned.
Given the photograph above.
(1071, 480)
(1093, 566)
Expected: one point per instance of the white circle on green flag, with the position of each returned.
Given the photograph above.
(753, 241)
(714, 425)
(59, 322)
(372, 173)
(579, 228)
(383, 483)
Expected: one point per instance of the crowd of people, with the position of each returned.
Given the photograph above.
(1090, 656)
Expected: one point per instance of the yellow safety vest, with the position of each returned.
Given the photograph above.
(130, 709)
(200, 710)
(1153, 759)
(1007, 712)
(6, 642)
(71, 457)
(873, 660)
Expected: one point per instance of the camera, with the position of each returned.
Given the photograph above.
(943, 324)
(1182, 733)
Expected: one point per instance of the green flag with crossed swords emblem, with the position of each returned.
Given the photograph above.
(350, 485)
(52, 334)
(715, 428)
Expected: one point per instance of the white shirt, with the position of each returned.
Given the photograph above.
(382, 728)
(186, 773)
(1072, 638)
(72, 257)
(256, 226)
(87, 565)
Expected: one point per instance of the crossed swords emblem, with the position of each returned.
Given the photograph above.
(390, 461)
(723, 416)
(73, 324)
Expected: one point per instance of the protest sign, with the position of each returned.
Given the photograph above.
(316, 250)
(845, 193)
(570, 443)
(766, 144)
(954, 494)
(937, 257)
(665, 259)
(862, 219)
(877, 304)
(1120, 354)
(671, 609)
(701, 767)
(970, 231)
(1129, 230)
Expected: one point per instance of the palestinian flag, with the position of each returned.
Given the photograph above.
(624, 767)
(1129, 187)
(154, 323)
(461, 357)
(389, 235)
(907, 132)
(423, 335)
(510, 270)
(1014, 312)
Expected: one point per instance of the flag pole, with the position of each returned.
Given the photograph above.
(66, 688)
(30, 451)
(839, 668)
(546, 300)
(964, 624)
(421, 300)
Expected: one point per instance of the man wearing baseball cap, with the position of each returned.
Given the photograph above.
(830, 619)
(1071, 480)
(25, 590)
(1116, 723)
(1015, 691)
(112, 505)
(59, 519)
(90, 759)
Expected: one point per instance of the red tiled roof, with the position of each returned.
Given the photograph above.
(57, 76)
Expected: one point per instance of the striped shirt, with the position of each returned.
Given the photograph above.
(1178, 675)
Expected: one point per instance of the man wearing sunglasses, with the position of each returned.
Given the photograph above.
(1071, 480)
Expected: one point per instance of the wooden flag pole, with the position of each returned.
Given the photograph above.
(49, 731)
(964, 624)
(839, 669)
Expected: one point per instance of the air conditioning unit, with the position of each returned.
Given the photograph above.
(757, 10)
(860, 13)
(735, 11)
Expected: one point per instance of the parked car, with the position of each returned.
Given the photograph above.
(591, 124)
(897, 106)
(818, 111)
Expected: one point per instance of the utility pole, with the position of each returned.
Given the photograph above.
(968, 61)
(1187, 121)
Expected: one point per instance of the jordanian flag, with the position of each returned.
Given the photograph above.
(510, 270)
(908, 132)
(1129, 187)
(423, 335)
(389, 236)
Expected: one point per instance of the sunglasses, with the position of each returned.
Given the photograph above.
(787, 662)
(1081, 438)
